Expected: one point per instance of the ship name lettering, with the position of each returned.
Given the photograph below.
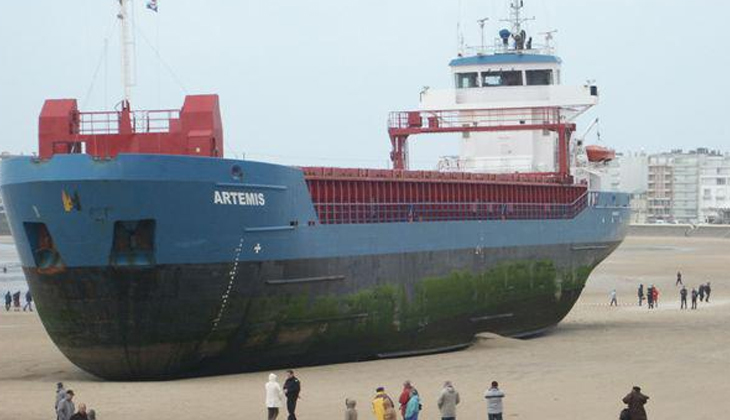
(239, 198)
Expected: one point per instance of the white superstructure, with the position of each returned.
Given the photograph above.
(518, 78)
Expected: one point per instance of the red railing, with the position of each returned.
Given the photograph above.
(414, 122)
(318, 173)
(107, 122)
(357, 213)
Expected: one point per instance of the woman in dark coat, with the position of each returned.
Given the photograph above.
(636, 400)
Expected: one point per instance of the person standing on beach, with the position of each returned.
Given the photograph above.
(694, 298)
(81, 414)
(16, 301)
(379, 403)
(636, 401)
(405, 395)
(350, 410)
(683, 298)
(679, 279)
(390, 413)
(613, 298)
(274, 397)
(702, 292)
(414, 406)
(447, 401)
(707, 291)
(650, 297)
(655, 296)
(66, 407)
(60, 395)
(292, 388)
(28, 302)
(494, 402)
(8, 300)
(641, 294)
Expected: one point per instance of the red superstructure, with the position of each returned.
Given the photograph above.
(403, 124)
(398, 195)
(343, 195)
(194, 130)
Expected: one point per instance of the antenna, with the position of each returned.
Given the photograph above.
(459, 33)
(481, 23)
(517, 20)
(549, 38)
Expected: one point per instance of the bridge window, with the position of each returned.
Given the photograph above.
(501, 78)
(539, 77)
(467, 80)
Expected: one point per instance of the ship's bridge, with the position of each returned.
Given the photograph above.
(508, 69)
(512, 79)
(514, 89)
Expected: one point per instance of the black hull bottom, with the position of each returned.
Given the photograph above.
(172, 321)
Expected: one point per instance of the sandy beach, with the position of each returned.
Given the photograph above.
(580, 370)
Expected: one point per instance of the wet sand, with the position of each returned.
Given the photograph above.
(580, 370)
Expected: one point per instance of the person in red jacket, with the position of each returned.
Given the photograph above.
(656, 297)
(404, 397)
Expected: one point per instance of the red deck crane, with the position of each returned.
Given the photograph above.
(403, 124)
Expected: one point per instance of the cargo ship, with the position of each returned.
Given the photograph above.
(151, 256)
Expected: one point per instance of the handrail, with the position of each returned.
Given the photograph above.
(358, 213)
(459, 119)
(108, 122)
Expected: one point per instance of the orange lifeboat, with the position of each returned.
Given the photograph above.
(600, 154)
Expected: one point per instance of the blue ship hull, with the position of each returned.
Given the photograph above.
(238, 275)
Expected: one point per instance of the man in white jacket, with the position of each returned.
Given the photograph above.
(494, 402)
(274, 397)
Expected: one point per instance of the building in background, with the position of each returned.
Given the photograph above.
(660, 188)
(685, 187)
(714, 189)
(629, 172)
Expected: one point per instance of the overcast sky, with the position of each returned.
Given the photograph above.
(311, 82)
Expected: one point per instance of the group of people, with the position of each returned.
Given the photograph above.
(276, 396)
(652, 294)
(66, 409)
(383, 407)
(411, 403)
(14, 301)
(703, 294)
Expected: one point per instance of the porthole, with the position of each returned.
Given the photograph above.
(237, 173)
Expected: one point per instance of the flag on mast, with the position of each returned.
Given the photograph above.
(152, 5)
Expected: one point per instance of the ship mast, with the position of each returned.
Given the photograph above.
(515, 15)
(126, 45)
(516, 19)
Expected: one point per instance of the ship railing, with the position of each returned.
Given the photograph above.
(108, 122)
(458, 119)
(359, 213)
(498, 47)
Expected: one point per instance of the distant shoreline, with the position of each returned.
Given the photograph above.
(690, 231)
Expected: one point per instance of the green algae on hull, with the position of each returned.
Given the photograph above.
(386, 310)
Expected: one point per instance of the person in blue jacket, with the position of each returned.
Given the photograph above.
(414, 406)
